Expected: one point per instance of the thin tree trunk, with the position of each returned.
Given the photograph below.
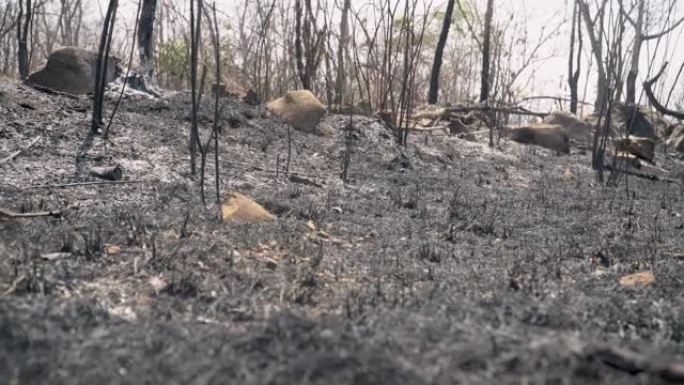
(341, 51)
(101, 67)
(195, 29)
(486, 52)
(630, 84)
(596, 39)
(433, 93)
(146, 37)
(25, 15)
(575, 60)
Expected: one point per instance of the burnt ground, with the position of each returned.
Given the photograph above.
(444, 263)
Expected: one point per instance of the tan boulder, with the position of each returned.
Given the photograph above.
(550, 136)
(299, 108)
(643, 148)
(578, 130)
(241, 209)
(72, 70)
(642, 279)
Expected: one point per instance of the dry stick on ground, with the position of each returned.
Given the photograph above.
(50, 91)
(13, 215)
(19, 152)
(505, 110)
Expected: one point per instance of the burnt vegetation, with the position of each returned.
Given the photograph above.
(287, 192)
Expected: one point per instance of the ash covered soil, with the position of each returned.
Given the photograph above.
(446, 262)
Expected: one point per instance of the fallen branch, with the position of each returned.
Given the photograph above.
(19, 152)
(556, 98)
(50, 91)
(648, 89)
(504, 110)
(79, 184)
(13, 215)
(638, 174)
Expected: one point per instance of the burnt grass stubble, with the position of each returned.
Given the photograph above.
(443, 263)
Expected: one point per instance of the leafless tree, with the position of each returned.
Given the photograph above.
(146, 38)
(596, 31)
(23, 25)
(641, 35)
(575, 57)
(433, 94)
(70, 21)
(196, 7)
(102, 63)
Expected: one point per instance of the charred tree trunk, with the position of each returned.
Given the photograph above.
(596, 31)
(101, 67)
(195, 29)
(341, 52)
(146, 37)
(575, 61)
(299, 49)
(433, 93)
(23, 28)
(630, 84)
(486, 53)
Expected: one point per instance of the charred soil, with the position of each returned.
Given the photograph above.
(440, 263)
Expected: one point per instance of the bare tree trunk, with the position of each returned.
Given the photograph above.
(195, 29)
(595, 30)
(101, 67)
(146, 38)
(299, 50)
(25, 16)
(486, 52)
(433, 93)
(630, 84)
(575, 62)
(341, 52)
(641, 36)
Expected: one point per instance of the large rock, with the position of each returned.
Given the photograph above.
(241, 209)
(550, 136)
(578, 130)
(643, 148)
(299, 108)
(72, 70)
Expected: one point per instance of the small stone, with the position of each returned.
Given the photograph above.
(112, 249)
